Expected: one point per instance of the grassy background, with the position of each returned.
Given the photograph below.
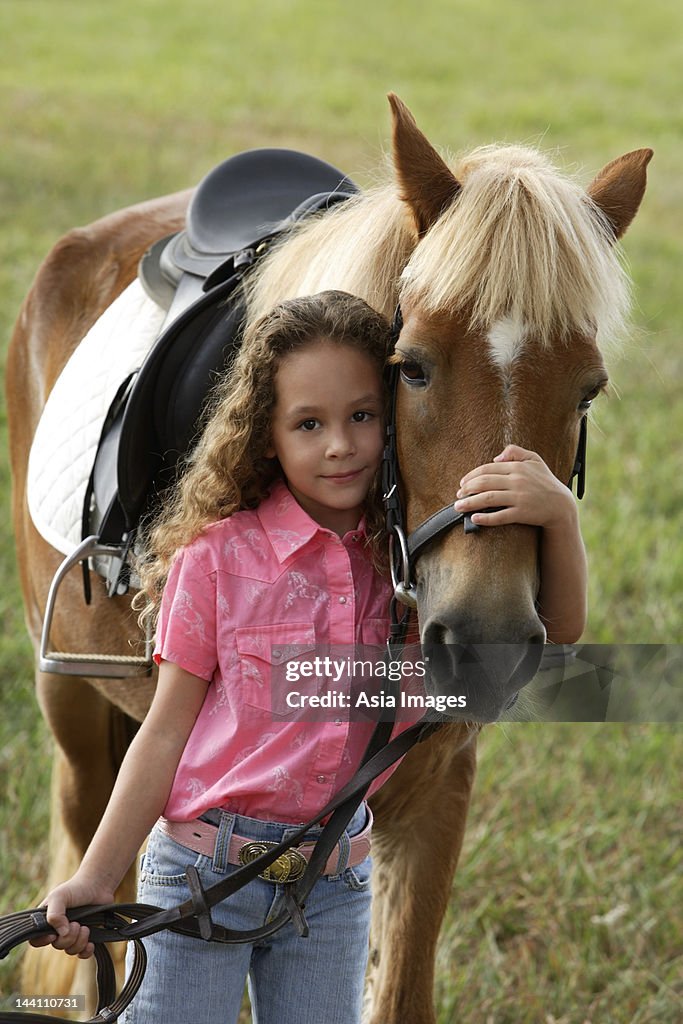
(566, 909)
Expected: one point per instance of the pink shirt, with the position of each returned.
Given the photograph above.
(249, 583)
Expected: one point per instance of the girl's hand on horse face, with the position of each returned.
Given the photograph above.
(520, 481)
(71, 936)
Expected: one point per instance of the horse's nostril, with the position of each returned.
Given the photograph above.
(435, 633)
(465, 634)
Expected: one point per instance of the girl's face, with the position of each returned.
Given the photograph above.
(327, 430)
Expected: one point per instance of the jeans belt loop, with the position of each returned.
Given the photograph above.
(344, 845)
(223, 837)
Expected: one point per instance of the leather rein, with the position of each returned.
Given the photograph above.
(109, 923)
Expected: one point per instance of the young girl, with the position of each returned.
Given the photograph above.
(274, 538)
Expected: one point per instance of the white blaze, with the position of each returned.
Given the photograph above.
(505, 340)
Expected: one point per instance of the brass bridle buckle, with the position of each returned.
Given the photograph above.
(288, 867)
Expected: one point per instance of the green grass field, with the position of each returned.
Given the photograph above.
(566, 909)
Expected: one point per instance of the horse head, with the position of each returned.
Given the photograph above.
(513, 286)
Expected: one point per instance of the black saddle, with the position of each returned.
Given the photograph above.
(243, 202)
(196, 275)
(236, 211)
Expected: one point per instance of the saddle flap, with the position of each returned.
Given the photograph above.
(166, 400)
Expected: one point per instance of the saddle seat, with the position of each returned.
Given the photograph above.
(245, 200)
(154, 419)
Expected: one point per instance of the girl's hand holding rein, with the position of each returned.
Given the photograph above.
(520, 481)
(69, 935)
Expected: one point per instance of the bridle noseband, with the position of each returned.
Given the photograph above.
(405, 548)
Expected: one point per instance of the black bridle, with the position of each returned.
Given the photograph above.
(405, 548)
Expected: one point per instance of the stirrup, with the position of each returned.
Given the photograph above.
(106, 666)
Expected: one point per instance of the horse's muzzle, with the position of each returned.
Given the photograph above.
(484, 676)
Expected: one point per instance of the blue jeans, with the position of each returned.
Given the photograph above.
(292, 980)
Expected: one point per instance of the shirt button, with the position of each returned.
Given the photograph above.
(337, 721)
(321, 778)
(342, 600)
(276, 655)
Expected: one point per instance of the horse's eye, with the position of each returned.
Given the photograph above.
(587, 400)
(413, 373)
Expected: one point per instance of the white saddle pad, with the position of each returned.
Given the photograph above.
(66, 439)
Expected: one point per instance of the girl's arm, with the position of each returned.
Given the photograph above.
(520, 481)
(138, 798)
(562, 597)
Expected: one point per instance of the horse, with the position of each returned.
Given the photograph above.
(510, 286)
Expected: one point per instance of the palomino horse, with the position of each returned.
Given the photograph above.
(508, 279)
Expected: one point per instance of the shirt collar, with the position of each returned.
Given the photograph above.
(288, 526)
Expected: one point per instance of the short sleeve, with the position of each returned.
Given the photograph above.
(186, 627)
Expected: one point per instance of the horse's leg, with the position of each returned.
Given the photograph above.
(91, 736)
(421, 815)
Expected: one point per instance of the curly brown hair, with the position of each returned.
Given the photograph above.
(228, 469)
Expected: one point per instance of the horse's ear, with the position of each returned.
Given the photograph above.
(619, 188)
(427, 185)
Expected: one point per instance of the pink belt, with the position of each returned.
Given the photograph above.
(201, 836)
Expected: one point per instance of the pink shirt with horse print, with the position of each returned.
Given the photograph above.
(250, 585)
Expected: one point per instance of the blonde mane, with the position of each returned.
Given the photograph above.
(360, 246)
(521, 240)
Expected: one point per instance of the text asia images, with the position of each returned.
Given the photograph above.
(355, 683)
